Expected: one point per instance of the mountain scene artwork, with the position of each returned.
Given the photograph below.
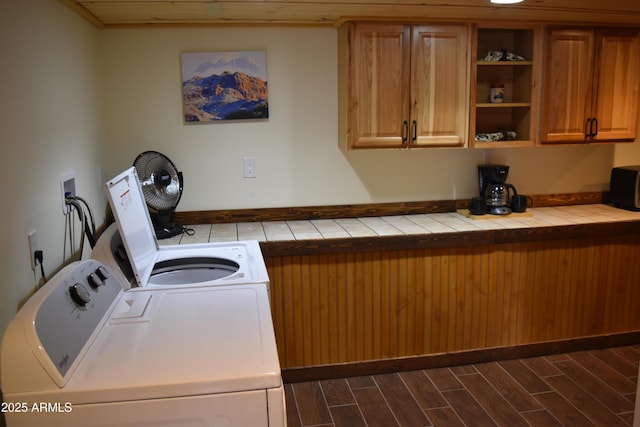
(224, 86)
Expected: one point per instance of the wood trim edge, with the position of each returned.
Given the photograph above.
(374, 367)
(362, 210)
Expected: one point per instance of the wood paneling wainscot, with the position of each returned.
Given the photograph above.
(350, 307)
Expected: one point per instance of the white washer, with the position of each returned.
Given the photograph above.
(144, 264)
(83, 352)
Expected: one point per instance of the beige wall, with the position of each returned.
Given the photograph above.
(299, 161)
(50, 124)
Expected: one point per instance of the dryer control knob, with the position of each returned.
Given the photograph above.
(102, 273)
(79, 294)
(95, 281)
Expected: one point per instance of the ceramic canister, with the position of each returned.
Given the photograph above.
(496, 94)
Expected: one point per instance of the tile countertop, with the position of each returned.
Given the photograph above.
(402, 225)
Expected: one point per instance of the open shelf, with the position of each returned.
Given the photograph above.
(514, 114)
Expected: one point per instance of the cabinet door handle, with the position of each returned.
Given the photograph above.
(405, 131)
(594, 120)
(414, 132)
(587, 128)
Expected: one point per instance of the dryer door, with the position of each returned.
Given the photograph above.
(228, 409)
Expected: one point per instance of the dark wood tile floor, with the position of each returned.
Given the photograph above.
(588, 388)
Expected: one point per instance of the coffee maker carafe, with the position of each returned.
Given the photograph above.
(493, 188)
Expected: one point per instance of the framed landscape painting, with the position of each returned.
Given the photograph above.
(218, 86)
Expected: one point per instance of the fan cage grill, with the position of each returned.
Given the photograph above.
(149, 166)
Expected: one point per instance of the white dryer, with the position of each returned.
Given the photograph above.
(82, 352)
(131, 250)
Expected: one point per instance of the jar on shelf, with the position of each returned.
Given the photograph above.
(496, 94)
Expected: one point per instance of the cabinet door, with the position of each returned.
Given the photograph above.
(439, 85)
(618, 80)
(568, 81)
(379, 89)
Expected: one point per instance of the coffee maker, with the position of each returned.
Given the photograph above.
(493, 188)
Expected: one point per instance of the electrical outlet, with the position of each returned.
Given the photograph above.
(67, 185)
(33, 247)
(249, 167)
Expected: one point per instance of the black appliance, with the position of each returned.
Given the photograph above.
(624, 189)
(496, 192)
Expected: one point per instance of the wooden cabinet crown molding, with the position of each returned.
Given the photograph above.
(113, 13)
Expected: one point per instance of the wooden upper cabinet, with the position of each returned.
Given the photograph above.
(591, 86)
(403, 85)
(379, 93)
(439, 85)
(618, 86)
(510, 120)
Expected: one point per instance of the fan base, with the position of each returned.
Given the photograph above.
(165, 231)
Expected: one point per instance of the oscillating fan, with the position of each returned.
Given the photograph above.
(162, 188)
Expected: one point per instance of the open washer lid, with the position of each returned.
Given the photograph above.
(132, 216)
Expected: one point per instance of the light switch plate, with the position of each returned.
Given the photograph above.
(249, 167)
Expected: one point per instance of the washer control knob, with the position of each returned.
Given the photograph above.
(79, 294)
(102, 273)
(95, 281)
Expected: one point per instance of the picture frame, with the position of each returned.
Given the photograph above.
(224, 86)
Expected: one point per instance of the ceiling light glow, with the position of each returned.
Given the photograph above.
(506, 1)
